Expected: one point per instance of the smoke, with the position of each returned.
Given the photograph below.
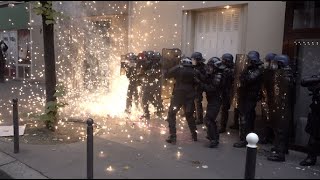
(89, 49)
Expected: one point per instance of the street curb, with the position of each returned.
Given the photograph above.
(17, 169)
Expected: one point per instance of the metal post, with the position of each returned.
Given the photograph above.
(250, 170)
(89, 149)
(15, 125)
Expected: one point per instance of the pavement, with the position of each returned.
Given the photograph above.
(127, 150)
(117, 156)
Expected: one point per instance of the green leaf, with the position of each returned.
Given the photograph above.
(44, 117)
(49, 22)
(34, 115)
(38, 11)
(48, 6)
(24, 115)
(58, 94)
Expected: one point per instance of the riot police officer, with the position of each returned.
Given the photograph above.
(267, 98)
(156, 67)
(249, 94)
(3, 49)
(313, 124)
(151, 86)
(213, 86)
(227, 60)
(283, 84)
(183, 95)
(198, 62)
(131, 73)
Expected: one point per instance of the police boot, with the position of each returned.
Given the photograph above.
(275, 149)
(172, 139)
(213, 144)
(277, 156)
(242, 143)
(223, 122)
(194, 136)
(309, 161)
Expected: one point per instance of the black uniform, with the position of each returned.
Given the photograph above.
(183, 95)
(200, 67)
(3, 48)
(156, 66)
(214, 85)
(249, 95)
(134, 82)
(151, 86)
(226, 97)
(283, 85)
(313, 124)
(268, 105)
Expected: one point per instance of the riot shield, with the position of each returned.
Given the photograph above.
(240, 65)
(268, 94)
(282, 90)
(170, 58)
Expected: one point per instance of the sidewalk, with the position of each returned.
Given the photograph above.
(12, 168)
(116, 157)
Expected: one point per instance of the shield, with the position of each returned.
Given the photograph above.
(268, 94)
(240, 65)
(170, 58)
(282, 90)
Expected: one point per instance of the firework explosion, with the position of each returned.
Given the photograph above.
(88, 47)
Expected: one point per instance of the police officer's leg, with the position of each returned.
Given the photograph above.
(136, 97)
(199, 109)
(224, 114)
(236, 120)
(2, 70)
(282, 137)
(313, 150)
(145, 103)
(175, 105)
(247, 115)
(189, 111)
(129, 96)
(159, 99)
(211, 121)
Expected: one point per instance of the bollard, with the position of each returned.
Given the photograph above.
(15, 126)
(89, 149)
(250, 170)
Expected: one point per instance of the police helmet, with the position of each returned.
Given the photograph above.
(186, 60)
(212, 61)
(149, 54)
(282, 59)
(269, 57)
(254, 57)
(227, 59)
(197, 56)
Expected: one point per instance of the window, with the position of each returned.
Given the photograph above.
(307, 15)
